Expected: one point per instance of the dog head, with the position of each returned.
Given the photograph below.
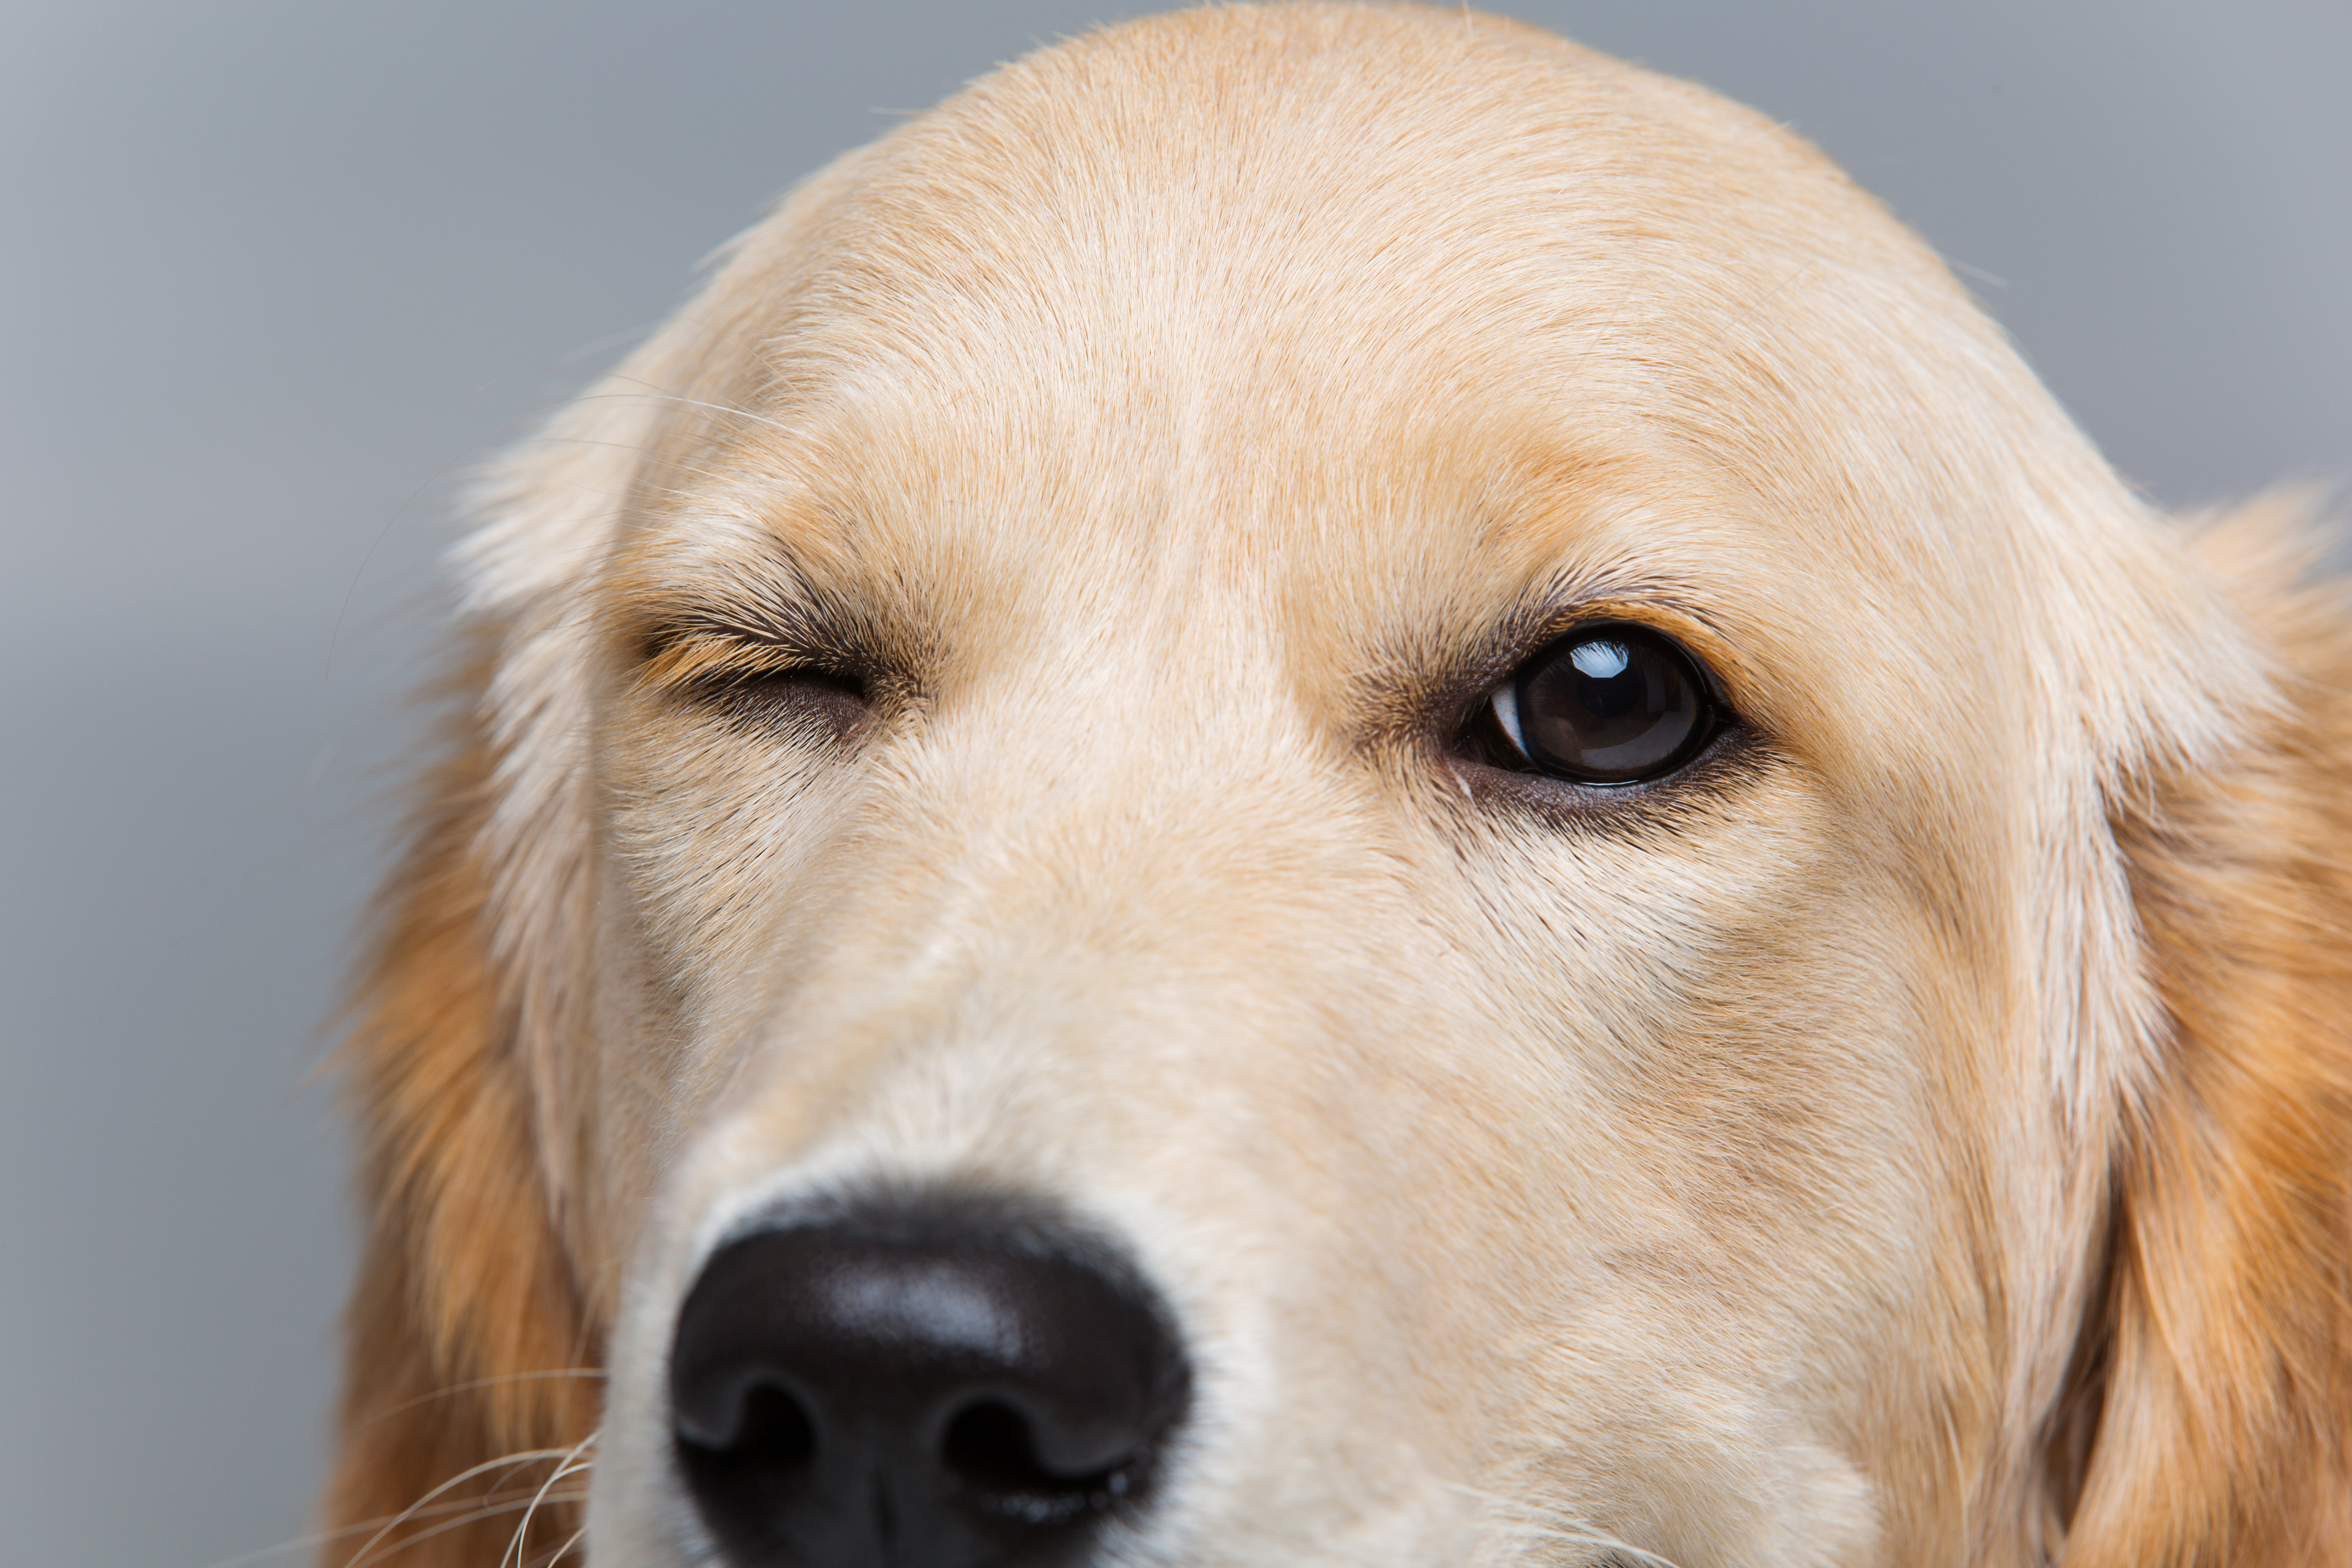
(1332, 786)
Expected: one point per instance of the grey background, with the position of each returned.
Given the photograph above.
(272, 271)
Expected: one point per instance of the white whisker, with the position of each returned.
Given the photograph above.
(509, 1462)
(457, 1521)
(469, 1387)
(573, 1465)
(728, 409)
(319, 1537)
(564, 1551)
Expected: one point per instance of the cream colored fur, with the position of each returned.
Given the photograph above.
(1724, 1174)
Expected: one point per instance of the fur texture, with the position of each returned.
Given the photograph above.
(976, 697)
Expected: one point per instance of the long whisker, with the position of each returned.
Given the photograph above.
(508, 1462)
(698, 471)
(323, 1537)
(565, 1550)
(475, 1516)
(728, 409)
(457, 1388)
(573, 1465)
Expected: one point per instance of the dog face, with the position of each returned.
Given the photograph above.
(1421, 728)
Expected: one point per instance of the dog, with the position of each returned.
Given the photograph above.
(1330, 786)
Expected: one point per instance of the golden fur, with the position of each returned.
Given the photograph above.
(1922, 1138)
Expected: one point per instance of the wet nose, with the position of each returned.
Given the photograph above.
(937, 1387)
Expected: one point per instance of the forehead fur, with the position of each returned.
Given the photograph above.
(1335, 282)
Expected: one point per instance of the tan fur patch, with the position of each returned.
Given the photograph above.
(465, 1323)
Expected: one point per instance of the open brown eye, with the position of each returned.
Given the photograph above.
(1612, 704)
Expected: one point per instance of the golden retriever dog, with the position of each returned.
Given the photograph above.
(1326, 786)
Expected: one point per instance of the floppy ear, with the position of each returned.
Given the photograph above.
(471, 1358)
(471, 1379)
(465, 1323)
(471, 1376)
(2214, 1396)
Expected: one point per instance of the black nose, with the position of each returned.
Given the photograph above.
(942, 1384)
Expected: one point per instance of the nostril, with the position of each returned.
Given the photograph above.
(763, 1418)
(755, 1443)
(992, 1448)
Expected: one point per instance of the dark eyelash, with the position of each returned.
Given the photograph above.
(810, 702)
(749, 680)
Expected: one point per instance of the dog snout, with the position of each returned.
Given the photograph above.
(930, 1385)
